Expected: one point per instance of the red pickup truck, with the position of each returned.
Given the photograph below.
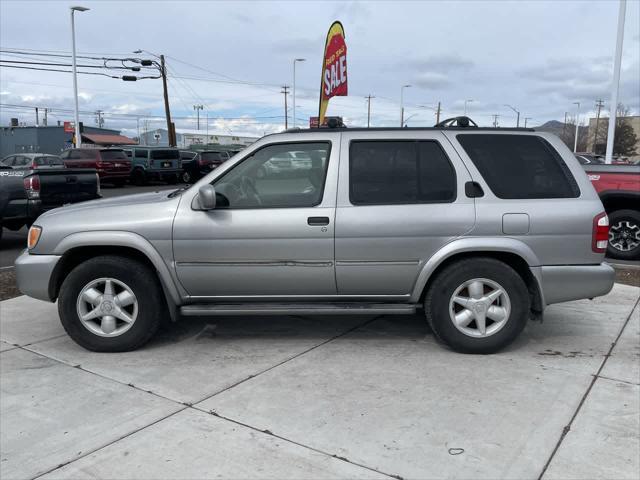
(619, 190)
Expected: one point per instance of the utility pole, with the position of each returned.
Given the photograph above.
(45, 119)
(495, 120)
(285, 91)
(170, 133)
(525, 121)
(37, 120)
(99, 119)
(369, 97)
(197, 108)
(564, 126)
(402, 104)
(599, 105)
(438, 114)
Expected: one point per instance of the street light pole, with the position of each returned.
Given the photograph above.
(616, 82)
(295, 60)
(402, 104)
(465, 105)
(517, 112)
(75, 73)
(525, 121)
(575, 142)
(197, 108)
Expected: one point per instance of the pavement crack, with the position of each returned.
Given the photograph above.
(594, 378)
(317, 450)
(293, 357)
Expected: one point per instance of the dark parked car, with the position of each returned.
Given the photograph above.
(31, 184)
(112, 164)
(196, 165)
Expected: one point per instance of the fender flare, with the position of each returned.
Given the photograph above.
(124, 239)
(477, 245)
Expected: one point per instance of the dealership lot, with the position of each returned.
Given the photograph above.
(291, 397)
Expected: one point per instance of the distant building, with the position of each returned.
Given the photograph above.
(600, 146)
(185, 138)
(53, 139)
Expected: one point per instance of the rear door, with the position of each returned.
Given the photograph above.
(401, 198)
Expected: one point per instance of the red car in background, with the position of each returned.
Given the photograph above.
(112, 164)
(619, 189)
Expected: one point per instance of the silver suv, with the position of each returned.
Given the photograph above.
(481, 228)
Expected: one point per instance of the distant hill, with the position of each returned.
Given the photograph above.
(557, 128)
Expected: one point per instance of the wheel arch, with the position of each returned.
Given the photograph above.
(512, 252)
(80, 247)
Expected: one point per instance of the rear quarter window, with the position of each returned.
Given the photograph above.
(107, 155)
(520, 166)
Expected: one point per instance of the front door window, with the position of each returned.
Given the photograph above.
(277, 176)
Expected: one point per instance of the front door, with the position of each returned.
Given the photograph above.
(272, 231)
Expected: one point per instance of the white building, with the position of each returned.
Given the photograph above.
(187, 137)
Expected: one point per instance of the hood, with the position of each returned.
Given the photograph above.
(125, 200)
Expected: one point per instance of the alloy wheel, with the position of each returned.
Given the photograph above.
(479, 307)
(624, 235)
(107, 307)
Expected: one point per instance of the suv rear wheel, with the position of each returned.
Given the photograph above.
(477, 305)
(624, 235)
(111, 304)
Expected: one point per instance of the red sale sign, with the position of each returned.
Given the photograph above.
(334, 68)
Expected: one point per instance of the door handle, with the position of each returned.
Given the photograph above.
(318, 221)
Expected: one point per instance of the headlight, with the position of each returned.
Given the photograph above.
(34, 236)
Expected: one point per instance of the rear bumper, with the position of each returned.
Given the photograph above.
(563, 283)
(164, 172)
(33, 273)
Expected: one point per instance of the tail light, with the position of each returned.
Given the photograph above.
(32, 186)
(600, 235)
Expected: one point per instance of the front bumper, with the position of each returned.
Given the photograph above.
(563, 283)
(33, 273)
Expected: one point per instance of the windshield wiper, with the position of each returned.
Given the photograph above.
(177, 192)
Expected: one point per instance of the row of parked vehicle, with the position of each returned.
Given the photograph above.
(33, 183)
(137, 165)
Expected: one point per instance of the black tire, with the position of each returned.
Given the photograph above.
(139, 177)
(622, 221)
(186, 177)
(138, 277)
(456, 274)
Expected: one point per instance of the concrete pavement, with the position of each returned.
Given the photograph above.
(329, 397)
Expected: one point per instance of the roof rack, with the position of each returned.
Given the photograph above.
(453, 123)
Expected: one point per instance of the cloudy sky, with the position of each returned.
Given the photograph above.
(232, 57)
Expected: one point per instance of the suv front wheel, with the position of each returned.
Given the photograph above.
(477, 305)
(111, 304)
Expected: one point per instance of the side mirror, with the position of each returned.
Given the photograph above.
(207, 197)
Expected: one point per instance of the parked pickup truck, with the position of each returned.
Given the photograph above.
(619, 190)
(25, 194)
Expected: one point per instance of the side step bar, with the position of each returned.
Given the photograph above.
(211, 309)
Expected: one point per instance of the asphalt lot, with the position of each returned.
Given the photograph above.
(350, 397)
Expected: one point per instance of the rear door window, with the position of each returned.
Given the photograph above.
(165, 154)
(48, 161)
(520, 166)
(400, 172)
(110, 155)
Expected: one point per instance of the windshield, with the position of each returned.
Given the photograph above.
(165, 154)
(51, 161)
(113, 155)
